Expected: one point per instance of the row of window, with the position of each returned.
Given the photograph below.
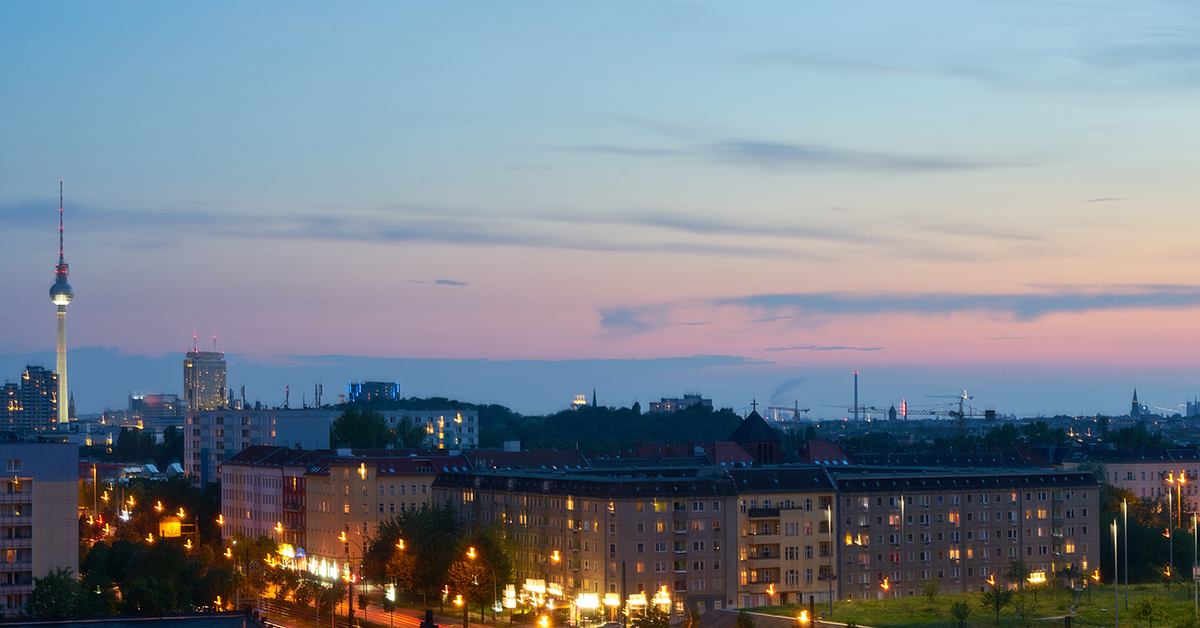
(924, 500)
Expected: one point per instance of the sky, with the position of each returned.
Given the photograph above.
(990, 196)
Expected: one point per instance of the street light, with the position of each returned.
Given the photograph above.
(829, 526)
(350, 588)
(495, 587)
(1116, 595)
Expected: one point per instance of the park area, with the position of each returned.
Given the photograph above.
(1149, 606)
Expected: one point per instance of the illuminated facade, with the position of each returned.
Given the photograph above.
(39, 516)
(963, 528)
(204, 380)
(32, 403)
(444, 429)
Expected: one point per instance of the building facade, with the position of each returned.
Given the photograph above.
(1149, 473)
(31, 403)
(204, 380)
(444, 429)
(211, 437)
(962, 528)
(39, 516)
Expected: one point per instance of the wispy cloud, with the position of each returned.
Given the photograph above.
(1019, 306)
(1103, 200)
(633, 320)
(820, 348)
(440, 282)
(791, 156)
(787, 155)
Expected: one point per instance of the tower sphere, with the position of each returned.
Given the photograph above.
(61, 293)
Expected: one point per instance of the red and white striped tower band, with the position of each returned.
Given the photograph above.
(61, 294)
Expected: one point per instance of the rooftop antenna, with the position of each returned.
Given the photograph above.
(214, 341)
(195, 347)
(287, 393)
(61, 269)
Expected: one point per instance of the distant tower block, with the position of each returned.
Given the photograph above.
(61, 294)
(204, 379)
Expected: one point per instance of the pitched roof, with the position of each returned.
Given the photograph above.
(754, 430)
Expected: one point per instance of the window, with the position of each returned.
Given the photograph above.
(641, 527)
(660, 547)
(808, 551)
(641, 548)
(697, 506)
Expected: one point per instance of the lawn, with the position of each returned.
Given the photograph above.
(917, 611)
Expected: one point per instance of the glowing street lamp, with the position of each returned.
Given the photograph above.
(400, 545)
(157, 506)
(802, 618)
(228, 552)
(279, 527)
(220, 520)
(150, 538)
(471, 552)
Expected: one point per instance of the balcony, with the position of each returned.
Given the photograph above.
(759, 513)
(763, 556)
(291, 506)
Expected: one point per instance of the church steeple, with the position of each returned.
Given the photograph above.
(1136, 410)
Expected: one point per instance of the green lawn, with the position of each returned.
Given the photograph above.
(917, 611)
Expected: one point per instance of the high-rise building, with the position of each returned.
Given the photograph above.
(61, 294)
(364, 392)
(33, 402)
(204, 380)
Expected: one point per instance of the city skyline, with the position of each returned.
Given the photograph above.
(995, 190)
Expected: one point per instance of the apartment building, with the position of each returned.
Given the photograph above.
(444, 429)
(39, 516)
(354, 494)
(1147, 473)
(786, 543)
(263, 493)
(707, 537)
(212, 436)
(307, 498)
(904, 528)
(611, 536)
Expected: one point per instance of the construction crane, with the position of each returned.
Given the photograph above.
(961, 415)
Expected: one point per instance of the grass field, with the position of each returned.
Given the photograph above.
(917, 611)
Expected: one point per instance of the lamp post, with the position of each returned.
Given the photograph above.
(829, 525)
(1125, 514)
(495, 590)
(1116, 595)
(350, 580)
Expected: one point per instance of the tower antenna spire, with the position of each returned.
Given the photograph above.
(60, 295)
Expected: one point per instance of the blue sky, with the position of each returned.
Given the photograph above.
(863, 185)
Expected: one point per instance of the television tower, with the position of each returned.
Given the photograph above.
(61, 294)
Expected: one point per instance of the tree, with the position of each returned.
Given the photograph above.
(408, 433)
(996, 600)
(744, 620)
(1070, 573)
(656, 617)
(54, 596)
(1018, 572)
(1150, 609)
(961, 611)
(931, 587)
(360, 429)
(431, 545)
(472, 580)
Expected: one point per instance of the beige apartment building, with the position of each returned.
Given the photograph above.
(1149, 473)
(353, 495)
(626, 537)
(786, 545)
(39, 516)
(962, 528)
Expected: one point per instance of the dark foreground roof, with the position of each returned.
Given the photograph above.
(233, 619)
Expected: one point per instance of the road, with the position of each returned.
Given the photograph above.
(402, 618)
